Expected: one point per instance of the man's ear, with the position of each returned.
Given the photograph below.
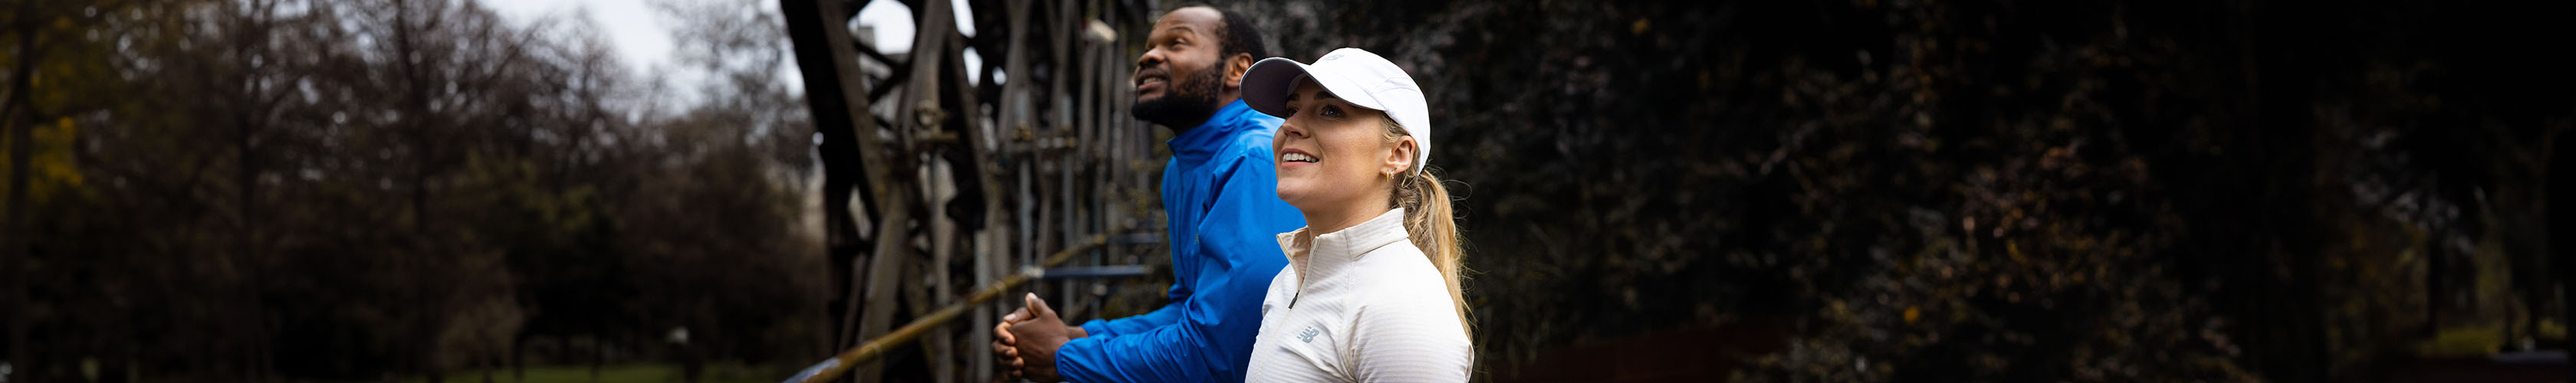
(1235, 67)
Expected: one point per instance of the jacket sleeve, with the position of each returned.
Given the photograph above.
(1165, 316)
(1212, 336)
(1130, 325)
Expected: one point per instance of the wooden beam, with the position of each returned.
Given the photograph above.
(824, 52)
(886, 267)
(988, 168)
(871, 52)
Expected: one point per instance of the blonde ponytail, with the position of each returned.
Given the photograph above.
(1433, 227)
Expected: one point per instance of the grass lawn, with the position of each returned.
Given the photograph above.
(2482, 340)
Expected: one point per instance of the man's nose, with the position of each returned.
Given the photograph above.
(1149, 59)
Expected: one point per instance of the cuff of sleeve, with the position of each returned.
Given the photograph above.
(1072, 359)
(1096, 327)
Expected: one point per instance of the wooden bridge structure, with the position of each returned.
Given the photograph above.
(937, 184)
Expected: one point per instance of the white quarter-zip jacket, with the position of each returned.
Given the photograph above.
(1359, 305)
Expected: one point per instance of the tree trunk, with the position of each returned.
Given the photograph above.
(18, 116)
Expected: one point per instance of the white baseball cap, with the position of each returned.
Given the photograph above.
(1354, 75)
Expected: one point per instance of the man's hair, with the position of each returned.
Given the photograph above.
(1239, 35)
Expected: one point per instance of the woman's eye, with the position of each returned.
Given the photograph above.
(1331, 111)
(1292, 111)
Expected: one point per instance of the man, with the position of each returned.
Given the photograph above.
(1220, 195)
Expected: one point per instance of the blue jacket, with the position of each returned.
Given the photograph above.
(1221, 198)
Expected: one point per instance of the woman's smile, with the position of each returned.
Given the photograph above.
(1294, 158)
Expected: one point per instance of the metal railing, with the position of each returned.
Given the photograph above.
(874, 348)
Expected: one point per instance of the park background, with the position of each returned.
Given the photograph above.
(373, 190)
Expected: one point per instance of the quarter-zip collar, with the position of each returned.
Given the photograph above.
(1319, 257)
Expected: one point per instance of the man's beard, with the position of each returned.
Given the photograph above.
(1185, 104)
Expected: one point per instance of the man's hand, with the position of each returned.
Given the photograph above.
(1036, 336)
(1006, 352)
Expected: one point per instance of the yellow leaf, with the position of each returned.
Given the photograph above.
(50, 167)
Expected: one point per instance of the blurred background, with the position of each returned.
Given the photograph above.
(1839, 190)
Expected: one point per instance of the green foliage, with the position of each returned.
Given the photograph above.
(268, 189)
(1918, 190)
(1975, 190)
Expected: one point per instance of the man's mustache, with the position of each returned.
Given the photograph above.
(1149, 72)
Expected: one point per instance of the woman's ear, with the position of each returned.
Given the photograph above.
(1399, 158)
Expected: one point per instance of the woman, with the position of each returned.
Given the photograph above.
(1370, 293)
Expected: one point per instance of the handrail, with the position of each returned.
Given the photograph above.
(839, 364)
